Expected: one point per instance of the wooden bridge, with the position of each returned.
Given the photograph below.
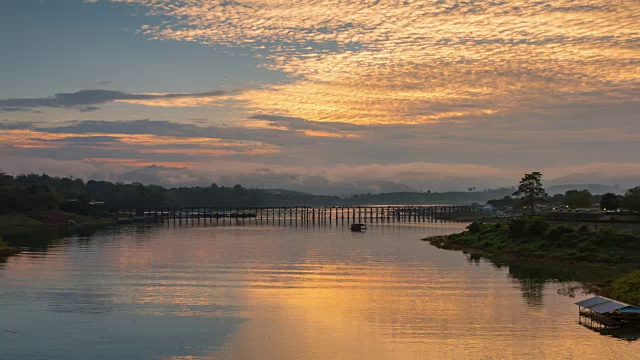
(304, 214)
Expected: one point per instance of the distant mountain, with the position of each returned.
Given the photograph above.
(623, 181)
(315, 185)
(424, 198)
(596, 189)
(380, 186)
(284, 192)
(309, 184)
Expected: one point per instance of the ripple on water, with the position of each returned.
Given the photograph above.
(282, 293)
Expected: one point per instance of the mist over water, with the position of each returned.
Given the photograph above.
(283, 292)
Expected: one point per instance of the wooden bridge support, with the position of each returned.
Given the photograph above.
(303, 214)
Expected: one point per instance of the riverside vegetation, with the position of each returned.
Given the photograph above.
(35, 205)
(534, 237)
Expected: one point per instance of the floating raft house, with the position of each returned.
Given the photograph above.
(608, 312)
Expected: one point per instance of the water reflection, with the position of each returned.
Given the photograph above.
(269, 292)
(532, 276)
(629, 334)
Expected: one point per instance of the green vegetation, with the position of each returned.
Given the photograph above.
(578, 199)
(18, 226)
(420, 198)
(531, 193)
(632, 199)
(535, 238)
(5, 250)
(626, 288)
(32, 192)
(609, 201)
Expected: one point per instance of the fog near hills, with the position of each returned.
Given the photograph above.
(362, 184)
(596, 189)
(616, 184)
(310, 184)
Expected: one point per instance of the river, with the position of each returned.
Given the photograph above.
(284, 292)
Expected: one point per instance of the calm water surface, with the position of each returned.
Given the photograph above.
(270, 292)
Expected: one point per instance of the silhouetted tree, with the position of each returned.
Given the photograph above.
(557, 199)
(609, 201)
(501, 203)
(632, 199)
(577, 198)
(530, 190)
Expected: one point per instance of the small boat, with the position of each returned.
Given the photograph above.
(358, 227)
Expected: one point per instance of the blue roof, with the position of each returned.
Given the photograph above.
(630, 309)
(596, 300)
(603, 305)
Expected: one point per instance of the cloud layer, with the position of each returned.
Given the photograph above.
(86, 100)
(282, 152)
(434, 94)
(388, 61)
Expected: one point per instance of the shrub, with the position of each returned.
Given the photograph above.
(555, 233)
(475, 227)
(606, 232)
(570, 239)
(537, 226)
(626, 288)
(517, 227)
(544, 246)
(583, 229)
(586, 248)
(611, 237)
(630, 240)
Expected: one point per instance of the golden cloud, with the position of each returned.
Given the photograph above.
(394, 61)
(141, 143)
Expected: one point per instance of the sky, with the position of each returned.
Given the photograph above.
(370, 95)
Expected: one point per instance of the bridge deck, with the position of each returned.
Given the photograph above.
(300, 213)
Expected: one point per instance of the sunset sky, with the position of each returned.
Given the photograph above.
(439, 94)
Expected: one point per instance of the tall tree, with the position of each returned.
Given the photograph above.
(531, 191)
(632, 199)
(609, 201)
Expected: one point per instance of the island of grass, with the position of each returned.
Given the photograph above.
(535, 238)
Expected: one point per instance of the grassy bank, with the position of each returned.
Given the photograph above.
(626, 288)
(5, 250)
(535, 238)
(17, 226)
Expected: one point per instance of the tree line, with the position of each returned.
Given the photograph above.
(531, 193)
(33, 192)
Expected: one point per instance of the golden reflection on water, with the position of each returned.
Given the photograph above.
(386, 315)
(315, 293)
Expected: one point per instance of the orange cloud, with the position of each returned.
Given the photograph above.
(420, 62)
(142, 143)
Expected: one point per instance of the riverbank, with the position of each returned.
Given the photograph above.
(7, 251)
(17, 226)
(536, 239)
